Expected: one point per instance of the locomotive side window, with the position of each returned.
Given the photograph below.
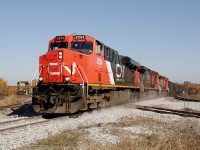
(119, 57)
(85, 47)
(99, 48)
(107, 53)
(54, 46)
(111, 56)
(114, 56)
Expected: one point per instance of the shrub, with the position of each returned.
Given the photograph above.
(3, 87)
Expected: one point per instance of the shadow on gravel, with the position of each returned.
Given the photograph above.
(23, 111)
(52, 116)
(27, 110)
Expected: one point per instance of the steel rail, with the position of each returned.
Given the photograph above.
(26, 125)
(18, 120)
(15, 105)
(184, 113)
(185, 99)
(22, 126)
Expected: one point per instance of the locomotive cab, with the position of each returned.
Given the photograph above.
(59, 64)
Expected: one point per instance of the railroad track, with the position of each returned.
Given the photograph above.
(15, 105)
(184, 113)
(9, 122)
(23, 123)
(22, 126)
(185, 99)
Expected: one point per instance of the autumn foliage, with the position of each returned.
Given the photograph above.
(3, 87)
(194, 85)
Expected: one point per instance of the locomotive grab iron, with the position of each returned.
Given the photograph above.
(79, 72)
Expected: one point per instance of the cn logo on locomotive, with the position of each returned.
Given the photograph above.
(73, 71)
(119, 71)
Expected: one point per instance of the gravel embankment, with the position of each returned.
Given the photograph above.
(19, 138)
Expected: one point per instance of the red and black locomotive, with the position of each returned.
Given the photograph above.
(79, 72)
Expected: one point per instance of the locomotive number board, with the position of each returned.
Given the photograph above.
(58, 38)
(79, 37)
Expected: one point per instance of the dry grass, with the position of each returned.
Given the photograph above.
(3, 88)
(187, 141)
(13, 99)
(126, 122)
(8, 94)
(169, 136)
(65, 140)
(191, 96)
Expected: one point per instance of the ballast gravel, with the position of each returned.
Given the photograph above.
(31, 134)
(102, 135)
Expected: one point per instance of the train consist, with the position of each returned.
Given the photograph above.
(79, 72)
(175, 88)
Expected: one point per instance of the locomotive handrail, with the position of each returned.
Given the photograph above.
(48, 70)
(83, 73)
(82, 78)
(41, 69)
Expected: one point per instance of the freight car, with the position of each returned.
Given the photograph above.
(179, 89)
(79, 72)
(175, 88)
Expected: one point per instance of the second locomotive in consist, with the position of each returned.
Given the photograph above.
(79, 72)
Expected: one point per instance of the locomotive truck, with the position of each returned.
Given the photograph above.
(79, 72)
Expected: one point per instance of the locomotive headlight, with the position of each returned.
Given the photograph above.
(67, 79)
(60, 55)
(41, 78)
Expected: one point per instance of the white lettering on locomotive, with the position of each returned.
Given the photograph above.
(73, 71)
(52, 73)
(73, 68)
(99, 61)
(119, 72)
(79, 37)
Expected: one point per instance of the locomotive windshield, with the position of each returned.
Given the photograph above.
(54, 46)
(85, 47)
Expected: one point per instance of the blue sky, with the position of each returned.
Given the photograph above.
(162, 35)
